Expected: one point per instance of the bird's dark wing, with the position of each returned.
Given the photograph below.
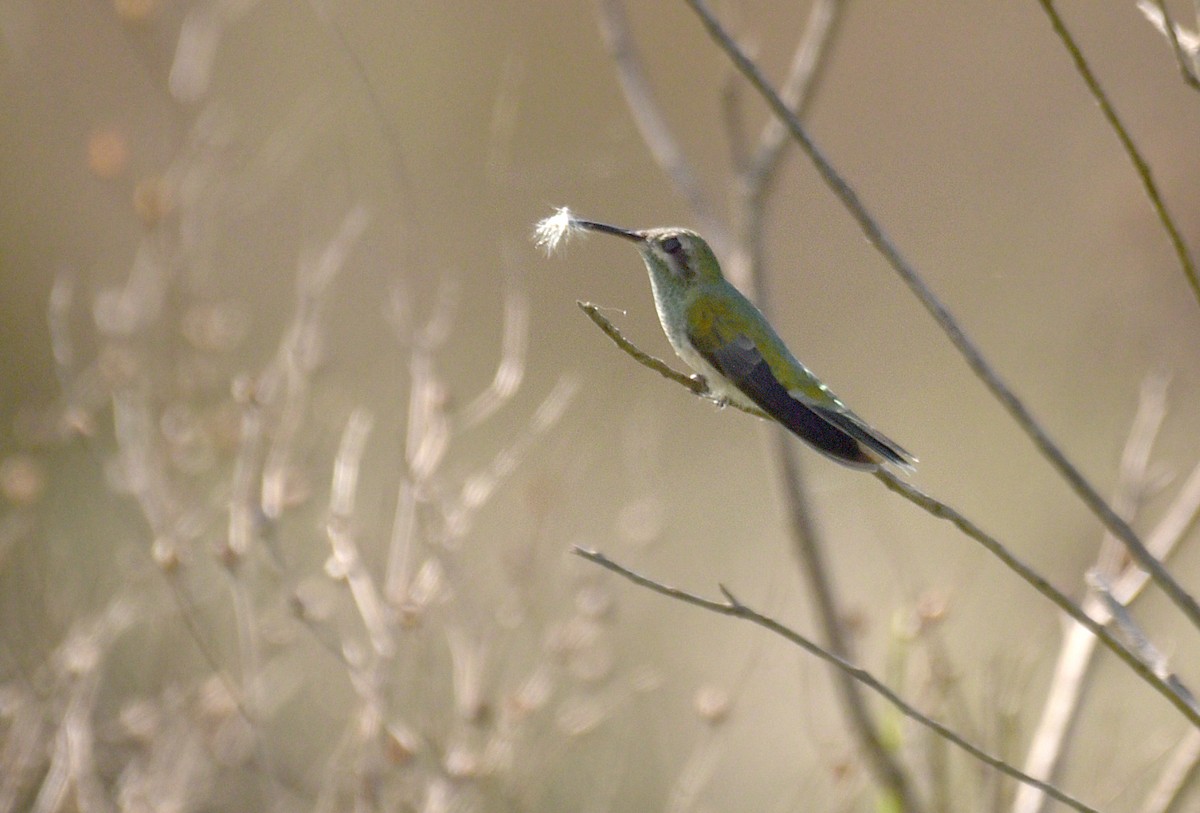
(830, 432)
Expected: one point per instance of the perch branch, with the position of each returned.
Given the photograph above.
(943, 511)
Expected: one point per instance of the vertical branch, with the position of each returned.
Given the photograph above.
(652, 124)
(746, 263)
(298, 357)
(755, 183)
(809, 551)
(1061, 706)
(427, 434)
(1175, 777)
(514, 344)
(342, 500)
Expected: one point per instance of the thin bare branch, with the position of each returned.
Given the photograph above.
(1136, 638)
(652, 123)
(798, 89)
(756, 181)
(1139, 163)
(807, 544)
(1015, 407)
(340, 528)
(1185, 55)
(695, 383)
(1062, 701)
(1180, 768)
(285, 384)
(734, 608)
(939, 509)
(514, 344)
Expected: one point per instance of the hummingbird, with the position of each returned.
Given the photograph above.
(723, 337)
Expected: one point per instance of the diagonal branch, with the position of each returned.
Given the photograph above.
(695, 383)
(735, 609)
(1184, 702)
(1139, 163)
(974, 358)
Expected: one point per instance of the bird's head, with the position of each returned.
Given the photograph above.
(676, 257)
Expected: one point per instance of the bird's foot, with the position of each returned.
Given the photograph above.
(705, 391)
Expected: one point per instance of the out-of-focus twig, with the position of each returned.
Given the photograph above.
(734, 608)
(1075, 655)
(653, 125)
(754, 182)
(514, 343)
(285, 384)
(756, 179)
(1175, 776)
(1184, 44)
(342, 498)
(1139, 163)
(79, 668)
(966, 347)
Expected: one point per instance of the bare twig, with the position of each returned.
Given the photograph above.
(285, 384)
(1139, 163)
(1075, 655)
(756, 181)
(695, 383)
(757, 173)
(1016, 408)
(810, 552)
(939, 509)
(734, 608)
(653, 125)
(514, 344)
(1136, 639)
(478, 487)
(340, 527)
(1180, 768)
(1185, 56)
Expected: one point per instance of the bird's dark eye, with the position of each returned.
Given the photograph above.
(671, 245)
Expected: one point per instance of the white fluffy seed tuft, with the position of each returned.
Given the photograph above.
(555, 229)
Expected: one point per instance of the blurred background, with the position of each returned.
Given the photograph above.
(247, 249)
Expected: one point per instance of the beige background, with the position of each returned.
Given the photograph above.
(964, 128)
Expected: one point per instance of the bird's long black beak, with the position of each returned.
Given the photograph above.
(591, 225)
